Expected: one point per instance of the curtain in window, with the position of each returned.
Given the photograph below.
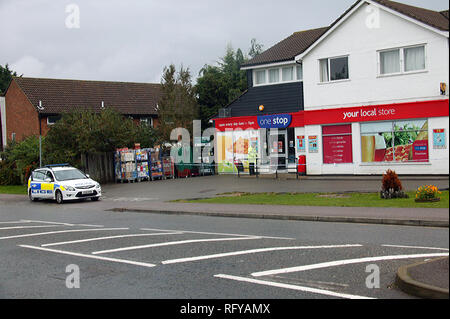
(288, 74)
(414, 59)
(274, 76)
(299, 72)
(324, 70)
(390, 62)
(260, 77)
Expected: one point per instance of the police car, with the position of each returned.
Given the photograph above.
(62, 182)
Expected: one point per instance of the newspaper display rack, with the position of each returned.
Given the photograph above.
(156, 165)
(125, 165)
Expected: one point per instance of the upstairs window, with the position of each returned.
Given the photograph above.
(288, 74)
(274, 75)
(260, 77)
(334, 69)
(402, 60)
(53, 119)
(299, 72)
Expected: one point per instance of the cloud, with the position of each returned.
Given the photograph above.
(29, 66)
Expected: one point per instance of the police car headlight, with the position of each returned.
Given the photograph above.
(97, 185)
(69, 188)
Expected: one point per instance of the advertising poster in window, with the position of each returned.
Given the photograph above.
(233, 150)
(337, 144)
(439, 139)
(402, 141)
(225, 152)
(301, 144)
(313, 142)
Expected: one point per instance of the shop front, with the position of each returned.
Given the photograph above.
(411, 138)
(268, 141)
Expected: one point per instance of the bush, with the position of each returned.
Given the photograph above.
(427, 192)
(8, 174)
(392, 186)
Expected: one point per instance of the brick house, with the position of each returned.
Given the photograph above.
(32, 105)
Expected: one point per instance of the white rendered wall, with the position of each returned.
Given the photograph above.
(3, 120)
(361, 44)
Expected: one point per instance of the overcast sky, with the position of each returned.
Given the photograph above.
(132, 40)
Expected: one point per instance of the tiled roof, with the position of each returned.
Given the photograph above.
(60, 96)
(438, 20)
(289, 48)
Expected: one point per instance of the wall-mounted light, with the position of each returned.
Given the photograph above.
(443, 88)
(261, 108)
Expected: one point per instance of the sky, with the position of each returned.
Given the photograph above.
(133, 40)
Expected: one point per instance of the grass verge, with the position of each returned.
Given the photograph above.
(323, 199)
(13, 189)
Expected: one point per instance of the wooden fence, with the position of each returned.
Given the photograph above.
(99, 166)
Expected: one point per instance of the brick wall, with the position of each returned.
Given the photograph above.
(21, 115)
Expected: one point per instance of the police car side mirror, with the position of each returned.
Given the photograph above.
(87, 175)
(48, 180)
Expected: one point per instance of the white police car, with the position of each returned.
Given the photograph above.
(62, 182)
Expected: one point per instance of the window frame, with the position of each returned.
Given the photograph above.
(53, 122)
(280, 75)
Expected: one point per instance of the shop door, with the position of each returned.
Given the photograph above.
(278, 149)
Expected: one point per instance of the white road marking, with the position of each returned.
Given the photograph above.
(181, 242)
(59, 223)
(416, 247)
(341, 263)
(292, 287)
(60, 232)
(252, 251)
(224, 234)
(123, 261)
(104, 238)
(26, 227)
(14, 222)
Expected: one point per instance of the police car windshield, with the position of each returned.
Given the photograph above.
(69, 174)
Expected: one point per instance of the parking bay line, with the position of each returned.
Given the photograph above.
(253, 251)
(123, 261)
(15, 222)
(224, 234)
(58, 223)
(27, 227)
(108, 237)
(415, 247)
(342, 262)
(171, 243)
(60, 232)
(292, 287)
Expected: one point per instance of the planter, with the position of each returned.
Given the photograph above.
(430, 200)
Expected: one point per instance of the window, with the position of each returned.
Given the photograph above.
(274, 75)
(38, 176)
(334, 69)
(337, 144)
(53, 119)
(402, 60)
(401, 141)
(390, 62)
(260, 77)
(414, 59)
(288, 74)
(299, 72)
(147, 120)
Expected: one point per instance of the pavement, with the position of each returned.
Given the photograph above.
(424, 280)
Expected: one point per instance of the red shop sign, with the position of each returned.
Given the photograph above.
(399, 111)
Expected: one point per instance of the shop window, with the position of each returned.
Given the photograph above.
(334, 69)
(400, 141)
(337, 144)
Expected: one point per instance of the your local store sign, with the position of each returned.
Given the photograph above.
(275, 121)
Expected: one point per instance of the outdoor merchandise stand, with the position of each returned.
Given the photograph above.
(142, 165)
(168, 167)
(125, 165)
(156, 166)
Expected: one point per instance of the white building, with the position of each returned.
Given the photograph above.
(376, 92)
(2, 122)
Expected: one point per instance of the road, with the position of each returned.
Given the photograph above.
(137, 255)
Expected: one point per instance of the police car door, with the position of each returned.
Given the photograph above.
(36, 183)
(48, 185)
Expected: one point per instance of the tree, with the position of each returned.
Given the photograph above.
(218, 85)
(5, 77)
(177, 107)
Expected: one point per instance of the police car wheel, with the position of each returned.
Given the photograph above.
(59, 197)
(30, 196)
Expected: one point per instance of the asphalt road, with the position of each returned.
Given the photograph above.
(132, 255)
